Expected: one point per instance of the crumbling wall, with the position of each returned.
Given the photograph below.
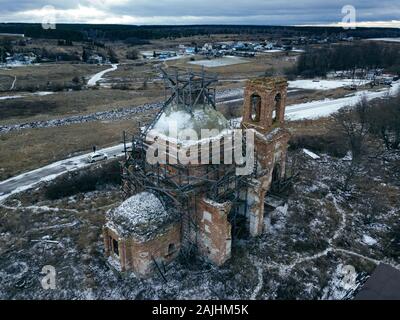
(255, 203)
(123, 260)
(214, 230)
(271, 149)
(138, 256)
(157, 248)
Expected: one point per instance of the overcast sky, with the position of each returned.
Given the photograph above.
(261, 12)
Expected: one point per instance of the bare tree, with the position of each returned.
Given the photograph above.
(132, 54)
(349, 174)
(384, 121)
(353, 122)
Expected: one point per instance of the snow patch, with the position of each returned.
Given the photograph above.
(115, 263)
(312, 155)
(323, 108)
(311, 84)
(385, 39)
(348, 156)
(342, 285)
(219, 62)
(369, 240)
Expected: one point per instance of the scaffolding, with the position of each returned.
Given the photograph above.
(187, 89)
(178, 188)
(175, 185)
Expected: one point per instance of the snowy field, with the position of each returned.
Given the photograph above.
(324, 108)
(19, 96)
(149, 56)
(17, 64)
(385, 39)
(220, 62)
(281, 50)
(325, 84)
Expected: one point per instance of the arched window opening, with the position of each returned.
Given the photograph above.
(275, 112)
(171, 248)
(255, 113)
(115, 247)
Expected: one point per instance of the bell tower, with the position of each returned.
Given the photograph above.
(264, 112)
(264, 104)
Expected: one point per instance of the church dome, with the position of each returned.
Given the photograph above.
(200, 117)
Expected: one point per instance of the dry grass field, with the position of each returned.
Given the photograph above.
(33, 148)
(39, 77)
(257, 66)
(62, 104)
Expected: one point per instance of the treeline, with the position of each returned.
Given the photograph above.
(384, 121)
(83, 32)
(58, 54)
(368, 55)
(5, 46)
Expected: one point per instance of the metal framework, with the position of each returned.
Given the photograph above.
(186, 89)
(177, 188)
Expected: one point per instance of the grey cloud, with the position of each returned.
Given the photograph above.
(216, 11)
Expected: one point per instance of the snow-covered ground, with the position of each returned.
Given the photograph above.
(97, 77)
(368, 240)
(18, 96)
(282, 50)
(325, 84)
(273, 51)
(385, 39)
(11, 97)
(311, 154)
(312, 248)
(323, 108)
(17, 64)
(13, 83)
(220, 62)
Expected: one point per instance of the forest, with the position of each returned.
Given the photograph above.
(85, 32)
(364, 55)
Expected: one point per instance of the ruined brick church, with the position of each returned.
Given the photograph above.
(172, 209)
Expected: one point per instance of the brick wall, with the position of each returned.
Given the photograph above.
(137, 256)
(214, 230)
(267, 89)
